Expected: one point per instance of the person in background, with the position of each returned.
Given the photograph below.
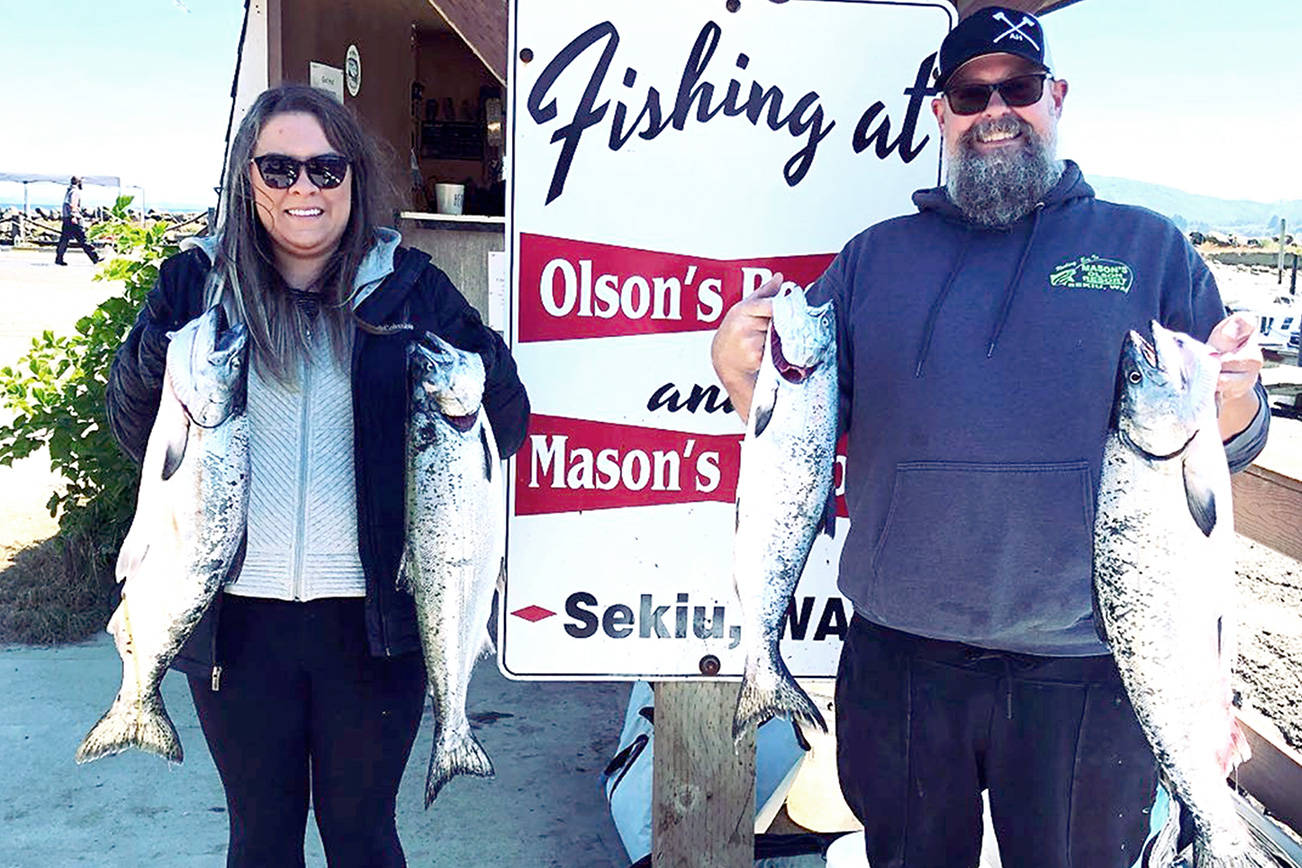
(978, 342)
(306, 673)
(71, 229)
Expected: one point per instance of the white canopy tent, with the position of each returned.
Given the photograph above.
(29, 178)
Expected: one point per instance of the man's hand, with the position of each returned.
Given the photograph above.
(738, 346)
(1234, 340)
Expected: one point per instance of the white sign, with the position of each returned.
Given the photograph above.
(353, 70)
(327, 78)
(667, 156)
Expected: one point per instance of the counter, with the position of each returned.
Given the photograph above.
(459, 244)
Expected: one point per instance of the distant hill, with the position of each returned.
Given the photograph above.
(1204, 213)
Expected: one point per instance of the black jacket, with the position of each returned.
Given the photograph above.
(416, 292)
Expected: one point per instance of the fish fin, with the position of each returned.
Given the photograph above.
(143, 724)
(1236, 749)
(237, 562)
(765, 695)
(176, 444)
(457, 754)
(1201, 500)
(404, 570)
(828, 520)
(488, 452)
(761, 407)
(131, 555)
(1096, 612)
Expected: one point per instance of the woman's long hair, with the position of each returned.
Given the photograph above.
(245, 271)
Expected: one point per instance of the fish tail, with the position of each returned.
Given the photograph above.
(458, 754)
(142, 724)
(1163, 849)
(1254, 855)
(769, 691)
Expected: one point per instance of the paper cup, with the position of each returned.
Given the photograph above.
(449, 198)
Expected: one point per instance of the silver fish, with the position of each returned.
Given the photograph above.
(456, 537)
(187, 531)
(1164, 581)
(784, 495)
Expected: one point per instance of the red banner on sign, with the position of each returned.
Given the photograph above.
(577, 289)
(569, 465)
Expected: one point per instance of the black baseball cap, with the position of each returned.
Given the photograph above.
(993, 30)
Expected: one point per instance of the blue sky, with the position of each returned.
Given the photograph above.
(135, 88)
(1189, 93)
(1193, 94)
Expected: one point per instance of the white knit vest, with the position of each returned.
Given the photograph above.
(302, 499)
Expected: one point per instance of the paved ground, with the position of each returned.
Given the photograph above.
(544, 808)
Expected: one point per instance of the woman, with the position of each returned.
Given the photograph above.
(306, 672)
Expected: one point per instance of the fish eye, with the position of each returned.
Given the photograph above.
(1136, 377)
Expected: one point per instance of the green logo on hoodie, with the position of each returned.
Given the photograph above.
(1093, 272)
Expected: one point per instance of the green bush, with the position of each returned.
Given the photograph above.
(56, 392)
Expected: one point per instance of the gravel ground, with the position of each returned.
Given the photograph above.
(1269, 673)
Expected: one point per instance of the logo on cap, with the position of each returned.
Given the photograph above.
(1015, 31)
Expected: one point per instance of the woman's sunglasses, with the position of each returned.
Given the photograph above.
(280, 172)
(970, 99)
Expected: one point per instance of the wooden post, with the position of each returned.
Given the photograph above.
(702, 791)
(1274, 774)
(1266, 508)
(1292, 284)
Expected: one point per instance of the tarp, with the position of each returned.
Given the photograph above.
(61, 180)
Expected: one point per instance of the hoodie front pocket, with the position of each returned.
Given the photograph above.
(975, 551)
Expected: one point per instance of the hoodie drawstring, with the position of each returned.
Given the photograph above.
(1017, 278)
(936, 305)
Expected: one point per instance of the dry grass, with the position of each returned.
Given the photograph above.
(54, 592)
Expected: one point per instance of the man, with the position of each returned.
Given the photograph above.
(978, 346)
(71, 229)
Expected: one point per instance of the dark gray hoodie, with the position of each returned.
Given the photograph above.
(977, 375)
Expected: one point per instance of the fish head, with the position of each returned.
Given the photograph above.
(207, 367)
(444, 380)
(1166, 391)
(801, 337)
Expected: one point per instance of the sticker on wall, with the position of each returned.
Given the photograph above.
(353, 70)
(327, 78)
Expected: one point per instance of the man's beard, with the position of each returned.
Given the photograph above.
(1001, 186)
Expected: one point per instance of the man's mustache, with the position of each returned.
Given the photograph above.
(1008, 124)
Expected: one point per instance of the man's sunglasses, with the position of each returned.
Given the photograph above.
(279, 172)
(970, 99)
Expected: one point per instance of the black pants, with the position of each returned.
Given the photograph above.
(303, 706)
(71, 231)
(924, 726)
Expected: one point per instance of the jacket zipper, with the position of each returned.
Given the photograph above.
(300, 514)
(216, 609)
